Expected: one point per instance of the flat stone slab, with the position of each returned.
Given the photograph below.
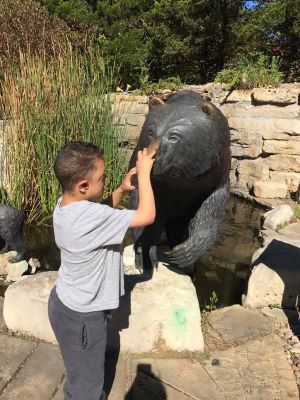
(292, 230)
(256, 370)
(281, 316)
(237, 323)
(182, 375)
(38, 378)
(13, 352)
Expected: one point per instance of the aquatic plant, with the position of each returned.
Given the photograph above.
(47, 102)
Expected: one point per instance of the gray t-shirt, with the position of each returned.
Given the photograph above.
(89, 236)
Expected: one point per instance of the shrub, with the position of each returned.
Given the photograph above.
(253, 70)
(171, 83)
(49, 101)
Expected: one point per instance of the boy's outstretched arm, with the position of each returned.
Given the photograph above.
(145, 213)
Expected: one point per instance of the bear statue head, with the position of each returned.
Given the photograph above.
(188, 133)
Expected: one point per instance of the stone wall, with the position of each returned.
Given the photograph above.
(265, 133)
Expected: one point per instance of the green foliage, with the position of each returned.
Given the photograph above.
(251, 70)
(49, 101)
(212, 305)
(172, 83)
(273, 28)
(152, 40)
(297, 211)
(272, 306)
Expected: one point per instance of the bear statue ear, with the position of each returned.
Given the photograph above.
(155, 101)
(208, 108)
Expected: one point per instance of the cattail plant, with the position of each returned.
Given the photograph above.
(48, 101)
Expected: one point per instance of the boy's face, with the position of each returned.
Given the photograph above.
(96, 182)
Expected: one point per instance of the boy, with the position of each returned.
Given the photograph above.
(90, 278)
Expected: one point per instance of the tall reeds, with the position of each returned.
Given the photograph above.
(47, 102)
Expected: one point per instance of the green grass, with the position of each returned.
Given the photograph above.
(48, 102)
(297, 211)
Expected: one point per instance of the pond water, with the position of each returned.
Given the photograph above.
(224, 269)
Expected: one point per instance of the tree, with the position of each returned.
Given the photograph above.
(273, 28)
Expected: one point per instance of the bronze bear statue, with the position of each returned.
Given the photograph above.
(190, 176)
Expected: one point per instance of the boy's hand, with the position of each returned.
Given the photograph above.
(126, 185)
(144, 162)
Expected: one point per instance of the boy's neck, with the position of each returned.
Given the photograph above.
(69, 198)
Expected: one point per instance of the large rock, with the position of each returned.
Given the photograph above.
(282, 162)
(157, 314)
(275, 278)
(270, 190)
(246, 144)
(239, 96)
(291, 146)
(291, 179)
(283, 94)
(16, 270)
(267, 125)
(248, 110)
(163, 313)
(215, 92)
(4, 261)
(278, 216)
(250, 171)
(26, 305)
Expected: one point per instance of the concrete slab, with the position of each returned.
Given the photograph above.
(39, 376)
(2, 323)
(292, 230)
(186, 376)
(256, 370)
(237, 323)
(13, 352)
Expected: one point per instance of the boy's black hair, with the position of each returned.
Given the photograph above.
(75, 161)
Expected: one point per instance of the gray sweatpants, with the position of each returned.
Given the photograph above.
(82, 342)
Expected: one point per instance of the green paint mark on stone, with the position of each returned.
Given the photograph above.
(179, 317)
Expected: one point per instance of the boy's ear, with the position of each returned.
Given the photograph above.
(83, 186)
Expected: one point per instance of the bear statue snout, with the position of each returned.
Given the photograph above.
(153, 146)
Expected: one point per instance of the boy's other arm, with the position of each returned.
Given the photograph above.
(114, 199)
(145, 213)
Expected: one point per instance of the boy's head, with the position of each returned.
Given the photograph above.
(79, 166)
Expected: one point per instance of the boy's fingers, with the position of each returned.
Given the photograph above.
(132, 171)
(152, 153)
